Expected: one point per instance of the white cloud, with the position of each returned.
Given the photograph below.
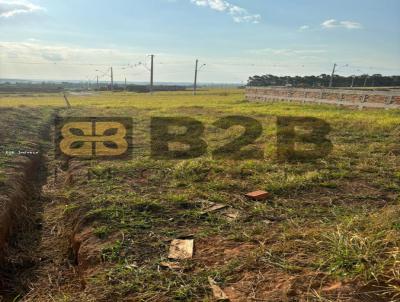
(351, 24)
(239, 14)
(218, 5)
(286, 51)
(304, 27)
(11, 8)
(34, 51)
(333, 23)
(42, 60)
(329, 23)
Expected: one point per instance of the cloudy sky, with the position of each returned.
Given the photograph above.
(77, 40)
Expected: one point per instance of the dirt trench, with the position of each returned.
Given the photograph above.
(33, 241)
(20, 224)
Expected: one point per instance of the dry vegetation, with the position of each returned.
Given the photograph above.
(328, 232)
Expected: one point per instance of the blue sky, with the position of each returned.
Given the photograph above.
(75, 39)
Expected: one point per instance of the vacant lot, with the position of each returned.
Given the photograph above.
(329, 230)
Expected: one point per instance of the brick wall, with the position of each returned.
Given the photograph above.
(343, 97)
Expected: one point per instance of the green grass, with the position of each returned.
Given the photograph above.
(337, 216)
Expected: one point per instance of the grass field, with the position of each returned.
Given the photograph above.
(329, 230)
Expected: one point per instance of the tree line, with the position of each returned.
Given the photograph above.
(323, 80)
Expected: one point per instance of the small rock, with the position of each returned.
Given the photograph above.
(214, 207)
(181, 249)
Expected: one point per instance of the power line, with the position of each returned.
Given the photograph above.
(57, 63)
(112, 79)
(125, 65)
(152, 74)
(195, 75)
(184, 66)
(333, 74)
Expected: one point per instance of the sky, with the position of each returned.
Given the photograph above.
(235, 39)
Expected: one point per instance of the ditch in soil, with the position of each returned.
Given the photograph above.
(26, 203)
(34, 240)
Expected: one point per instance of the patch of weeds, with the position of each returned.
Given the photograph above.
(224, 185)
(366, 247)
(147, 282)
(192, 171)
(329, 185)
(114, 214)
(142, 223)
(351, 254)
(148, 206)
(181, 201)
(112, 253)
(70, 208)
(280, 182)
(102, 231)
(396, 226)
(279, 261)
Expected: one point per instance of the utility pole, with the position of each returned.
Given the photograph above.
(195, 77)
(125, 84)
(352, 81)
(97, 82)
(333, 74)
(366, 79)
(152, 74)
(112, 79)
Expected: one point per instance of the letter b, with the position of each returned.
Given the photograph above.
(160, 137)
